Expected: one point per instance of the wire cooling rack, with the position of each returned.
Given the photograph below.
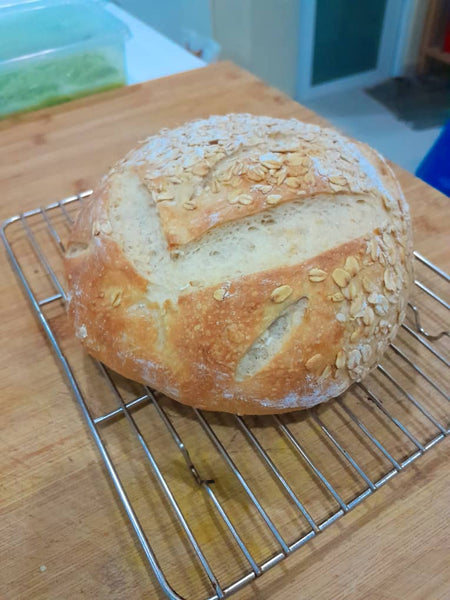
(216, 500)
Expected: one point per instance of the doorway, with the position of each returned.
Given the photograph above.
(348, 43)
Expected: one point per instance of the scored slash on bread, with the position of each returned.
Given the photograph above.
(242, 263)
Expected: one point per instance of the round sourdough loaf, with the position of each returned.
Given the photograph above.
(242, 263)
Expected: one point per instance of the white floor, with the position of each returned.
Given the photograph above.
(361, 117)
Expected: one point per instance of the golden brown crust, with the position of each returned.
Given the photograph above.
(192, 347)
(108, 303)
(213, 340)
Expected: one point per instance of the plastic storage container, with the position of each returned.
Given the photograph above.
(52, 51)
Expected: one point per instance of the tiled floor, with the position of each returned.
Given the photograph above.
(358, 115)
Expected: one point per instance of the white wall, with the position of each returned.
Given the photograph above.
(170, 17)
(196, 15)
(260, 35)
(275, 42)
(232, 27)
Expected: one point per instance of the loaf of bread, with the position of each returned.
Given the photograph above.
(243, 264)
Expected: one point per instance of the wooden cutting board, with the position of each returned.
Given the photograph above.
(58, 509)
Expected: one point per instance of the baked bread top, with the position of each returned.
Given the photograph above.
(242, 263)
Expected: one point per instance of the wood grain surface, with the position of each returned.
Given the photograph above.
(62, 532)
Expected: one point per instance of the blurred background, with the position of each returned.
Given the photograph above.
(378, 70)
